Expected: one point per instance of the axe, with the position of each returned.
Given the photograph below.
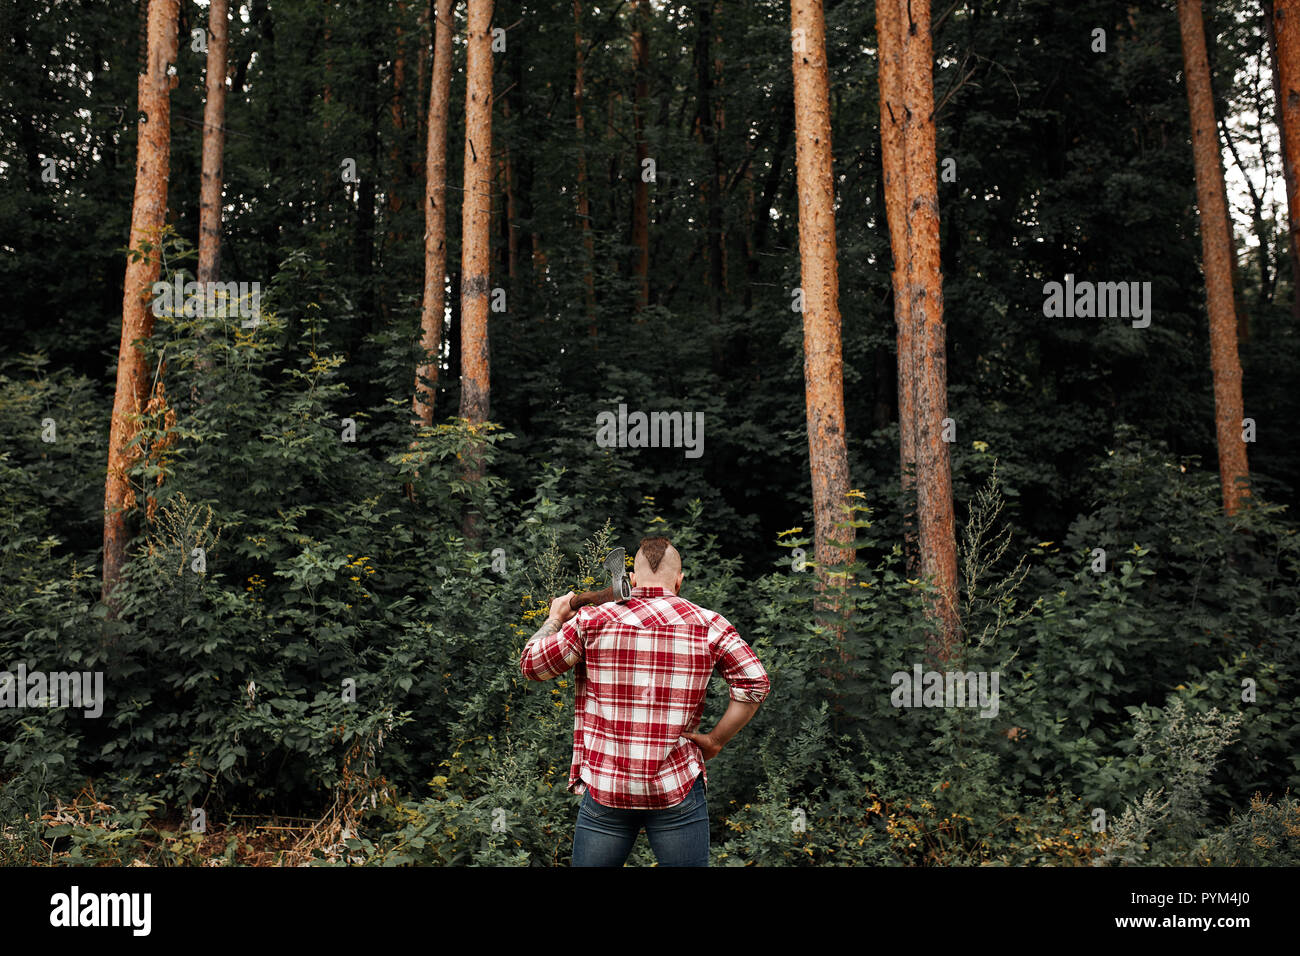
(620, 588)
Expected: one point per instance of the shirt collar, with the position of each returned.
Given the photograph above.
(651, 590)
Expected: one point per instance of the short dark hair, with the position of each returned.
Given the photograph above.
(654, 549)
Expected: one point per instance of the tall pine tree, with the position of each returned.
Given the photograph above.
(819, 277)
(1216, 255)
(148, 213)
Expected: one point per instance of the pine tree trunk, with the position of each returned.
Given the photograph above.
(1282, 19)
(584, 204)
(476, 235)
(435, 219)
(214, 144)
(641, 193)
(892, 119)
(148, 213)
(823, 361)
(398, 171)
(936, 528)
(509, 234)
(214, 141)
(396, 167)
(367, 191)
(912, 204)
(476, 218)
(422, 76)
(521, 206)
(1216, 249)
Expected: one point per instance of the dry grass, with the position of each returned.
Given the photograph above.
(119, 836)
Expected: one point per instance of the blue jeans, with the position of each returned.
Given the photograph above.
(679, 835)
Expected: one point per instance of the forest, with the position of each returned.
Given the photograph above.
(341, 337)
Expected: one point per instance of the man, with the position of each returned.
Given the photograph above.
(642, 669)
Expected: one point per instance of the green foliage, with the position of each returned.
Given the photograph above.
(1266, 834)
(329, 567)
(321, 626)
(1178, 750)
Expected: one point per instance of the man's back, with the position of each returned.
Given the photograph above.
(642, 670)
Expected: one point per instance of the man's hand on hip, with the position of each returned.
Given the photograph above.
(710, 747)
(738, 714)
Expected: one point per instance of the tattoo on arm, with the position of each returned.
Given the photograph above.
(546, 630)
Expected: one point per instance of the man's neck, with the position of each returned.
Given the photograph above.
(652, 587)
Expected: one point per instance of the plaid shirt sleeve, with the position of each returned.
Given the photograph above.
(553, 654)
(738, 664)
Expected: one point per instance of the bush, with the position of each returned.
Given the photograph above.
(315, 625)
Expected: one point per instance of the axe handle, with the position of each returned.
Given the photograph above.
(591, 597)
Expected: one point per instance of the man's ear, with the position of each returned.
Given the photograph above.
(632, 579)
(677, 588)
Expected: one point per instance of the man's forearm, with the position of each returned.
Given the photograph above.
(549, 627)
(546, 655)
(738, 715)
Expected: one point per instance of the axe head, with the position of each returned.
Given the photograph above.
(620, 587)
(616, 565)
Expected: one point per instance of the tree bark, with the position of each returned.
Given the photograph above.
(422, 73)
(433, 307)
(476, 218)
(367, 190)
(584, 203)
(892, 118)
(936, 527)
(509, 232)
(214, 141)
(907, 89)
(823, 360)
(1216, 250)
(148, 213)
(212, 180)
(641, 192)
(396, 167)
(399, 172)
(1282, 18)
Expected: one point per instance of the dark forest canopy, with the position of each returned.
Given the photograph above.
(1063, 162)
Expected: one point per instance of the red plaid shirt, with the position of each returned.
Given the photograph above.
(641, 671)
